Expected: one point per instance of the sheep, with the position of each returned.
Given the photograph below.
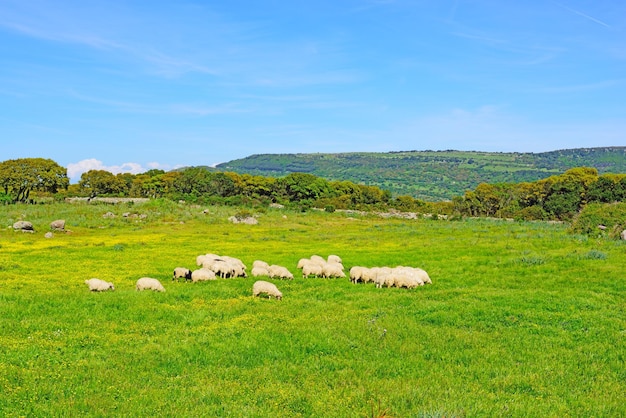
(202, 274)
(205, 260)
(148, 283)
(261, 264)
(380, 276)
(403, 279)
(333, 270)
(280, 272)
(317, 259)
(302, 262)
(263, 287)
(260, 271)
(359, 274)
(97, 285)
(200, 259)
(334, 259)
(311, 269)
(225, 266)
(423, 275)
(180, 273)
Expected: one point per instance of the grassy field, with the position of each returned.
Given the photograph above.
(522, 319)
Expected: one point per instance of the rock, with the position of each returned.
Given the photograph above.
(250, 220)
(601, 227)
(23, 226)
(623, 234)
(49, 234)
(109, 215)
(58, 225)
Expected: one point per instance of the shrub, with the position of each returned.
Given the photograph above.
(611, 215)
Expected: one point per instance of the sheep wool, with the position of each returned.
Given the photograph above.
(202, 274)
(262, 287)
(181, 273)
(148, 283)
(97, 285)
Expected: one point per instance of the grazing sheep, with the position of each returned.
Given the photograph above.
(280, 272)
(225, 266)
(423, 275)
(200, 259)
(358, 274)
(406, 280)
(333, 270)
(262, 287)
(148, 283)
(311, 269)
(181, 273)
(334, 259)
(302, 262)
(318, 259)
(261, 264)
(260, 271)
(97, 285)
(201, 275)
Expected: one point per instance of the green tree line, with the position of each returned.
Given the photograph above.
(23, 178)
(558, 197)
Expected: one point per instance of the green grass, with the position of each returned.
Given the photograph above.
(522, 319)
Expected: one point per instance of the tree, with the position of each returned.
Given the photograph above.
(303, 186)
(101, 182)
(21, 176)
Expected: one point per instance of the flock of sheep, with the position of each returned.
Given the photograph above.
(213, 266)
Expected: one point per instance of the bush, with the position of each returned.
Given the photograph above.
(611, 215)
(5, 199)
(531, 213)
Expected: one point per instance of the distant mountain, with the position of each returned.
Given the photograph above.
(431, 175)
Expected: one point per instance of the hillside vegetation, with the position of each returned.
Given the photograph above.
(432, 175)
(537, 330)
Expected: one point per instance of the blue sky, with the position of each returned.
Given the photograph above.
(133, 85)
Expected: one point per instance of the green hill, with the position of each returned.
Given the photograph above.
(431, 175)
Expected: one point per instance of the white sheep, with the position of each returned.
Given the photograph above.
(148, 283)
(311, 269)
(262, 287)
(97, 285)
(334, 259)
(260, 264)
(260, 271)
(181, 273)
(380, 276)
(318, 259)
(200, 259)
(202, 274)
(225, 266)
(333, 270)
(279, 272)
(357, 274)
(302, 262)
(423, 275)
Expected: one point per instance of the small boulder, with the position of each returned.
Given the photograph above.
(623, 234)
(58, 225)
(249, 220)
(48, 234)
(23, 226)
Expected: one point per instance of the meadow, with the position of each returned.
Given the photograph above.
(523, 319)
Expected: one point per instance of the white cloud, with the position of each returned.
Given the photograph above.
(74, 170)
